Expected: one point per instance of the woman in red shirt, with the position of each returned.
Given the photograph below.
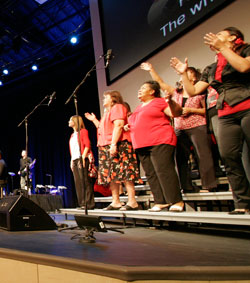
(117, 159)
(190, 129)
(230, 77)
(83, 183)
(154, 140)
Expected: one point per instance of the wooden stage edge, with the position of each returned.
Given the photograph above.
(192, 216)
(127, 273)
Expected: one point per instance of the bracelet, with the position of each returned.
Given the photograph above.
(113, 144)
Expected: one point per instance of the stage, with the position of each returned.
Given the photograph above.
(142, 254)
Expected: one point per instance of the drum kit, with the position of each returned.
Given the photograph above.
(49, 189)
(42, 189)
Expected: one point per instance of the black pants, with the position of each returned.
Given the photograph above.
(83, 184)
(233, 130)
(199, 138)
(159, 166)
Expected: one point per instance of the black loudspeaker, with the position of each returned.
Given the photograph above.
(18, 213)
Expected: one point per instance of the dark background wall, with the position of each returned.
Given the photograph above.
(48, 131)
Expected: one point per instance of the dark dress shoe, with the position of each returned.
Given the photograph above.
(237, 212)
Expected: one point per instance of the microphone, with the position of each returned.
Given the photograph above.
(52, 97)
(109, 57)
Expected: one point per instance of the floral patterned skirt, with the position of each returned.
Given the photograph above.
(119, 168)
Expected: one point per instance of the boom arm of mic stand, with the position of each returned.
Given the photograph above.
(26, 138)
(26, 117)
(84, 79)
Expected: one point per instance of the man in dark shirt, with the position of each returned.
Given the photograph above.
(25, 165)
(3, 174)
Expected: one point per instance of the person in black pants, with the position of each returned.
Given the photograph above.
(190, 129)
(25, 163)
(83, 182)
(3, 174)
(230, 76)
(154, 139)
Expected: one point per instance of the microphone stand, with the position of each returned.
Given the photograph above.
(74, 95)
(25, 120)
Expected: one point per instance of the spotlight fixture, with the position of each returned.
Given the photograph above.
(34, 68)
(1, 83)
(6, 72)
(73, 40)
(41, 1)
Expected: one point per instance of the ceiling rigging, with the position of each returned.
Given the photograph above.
(38, 32)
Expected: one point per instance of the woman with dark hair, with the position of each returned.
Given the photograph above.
(230, 76)
(154, 140)
(117, 159)
(83, 183)
(190, 129)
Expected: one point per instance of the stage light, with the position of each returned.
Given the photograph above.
(1, 83)
(34, 68)
(5, 71)
(41, 1)
(73, 39)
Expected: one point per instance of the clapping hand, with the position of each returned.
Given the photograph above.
(126, 127)
(179, 66)
(186, 110)
(90, 117)
(213, 41)
(146, 66)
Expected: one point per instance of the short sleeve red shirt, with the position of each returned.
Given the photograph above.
(150, 126)
(106, 127)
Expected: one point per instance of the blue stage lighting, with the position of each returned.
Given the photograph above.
(5, 71)
(1, 83)
(73, 39)
(34, 67)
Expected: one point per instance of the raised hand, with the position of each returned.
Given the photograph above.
(213, 41)
(146, 66)
(179, 66)
(90, 117)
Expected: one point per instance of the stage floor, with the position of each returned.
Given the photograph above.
(212, 254)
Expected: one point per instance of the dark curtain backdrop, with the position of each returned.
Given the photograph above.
(48, 131)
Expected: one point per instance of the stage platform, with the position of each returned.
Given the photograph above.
(141, 254)
(188, 217)
(187, 197)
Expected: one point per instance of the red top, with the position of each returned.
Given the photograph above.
(104, 190)
(227, 109)
(191, 120)
(106, 127)
(150, 126)
(84, 140)
(222, 61)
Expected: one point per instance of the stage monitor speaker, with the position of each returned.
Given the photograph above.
(18, 213)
